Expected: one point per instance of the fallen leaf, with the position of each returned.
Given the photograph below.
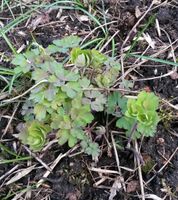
(83, 18)
(117, 185)
(21, 173)
(39, 20)
(174, 75)
(132, 186)
(137, 12)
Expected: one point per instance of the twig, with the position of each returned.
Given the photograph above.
(53, 165)
(118, 162)
(140, 173)
(38, 159)
(26, 92)
(166, 163)
(10, 120)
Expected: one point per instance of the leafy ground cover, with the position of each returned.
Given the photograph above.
(88, 100)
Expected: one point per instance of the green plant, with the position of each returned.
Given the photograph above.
(63, 98)
(142, 114)
(34, 134)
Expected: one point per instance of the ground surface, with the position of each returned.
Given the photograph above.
(76, 176)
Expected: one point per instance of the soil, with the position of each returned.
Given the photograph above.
(72, 178)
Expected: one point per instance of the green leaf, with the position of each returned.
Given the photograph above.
(40, 112)
(39, 75)
(84, 82)
(52, 49)
(98, 59)
(93, 150)
(67, 42)
(50, 92)
(95, 99)
(71, 89)
(63, 136)
(21, 62)
(34, 134)
(149, 101)
(78, 133)
(72, 141)
(80, 57)
(116, 101)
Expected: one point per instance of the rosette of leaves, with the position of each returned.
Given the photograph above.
(141, 111)
(34, 134)
(109, 73)
(87, 58)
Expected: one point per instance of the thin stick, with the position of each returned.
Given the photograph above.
(118, 162)
(38, 159)
(26, 92)
(10, 120)
(166, 163)
(140, 172)
(53, 165)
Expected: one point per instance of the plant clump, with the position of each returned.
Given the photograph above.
(142, 112)
(62, 97)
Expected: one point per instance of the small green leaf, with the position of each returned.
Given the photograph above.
(67, 42)
(40, 112)
(21, 62)
(39, 75)
(63, 136)
(71, 89)
(84, 82)
(98, 59)
(72, 141)
(34, 134)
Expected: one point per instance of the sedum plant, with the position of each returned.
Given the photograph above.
(142, 113)
(62, 99)
(34, 134)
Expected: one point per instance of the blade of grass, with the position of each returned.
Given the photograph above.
(14, 160)
(167, 62)
(150, 21)
(76, 6)
(8, 42)
(6, 149)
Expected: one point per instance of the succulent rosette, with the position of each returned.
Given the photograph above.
(34, 134)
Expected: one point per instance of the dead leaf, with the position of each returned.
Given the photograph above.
(174, 75)
(137, 12)
(150, 41)
(117, 185)
(132, 186)
(83, 18)
(39, 20)
(21, 173)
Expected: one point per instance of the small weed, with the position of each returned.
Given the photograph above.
(141, 113)
(64, 101)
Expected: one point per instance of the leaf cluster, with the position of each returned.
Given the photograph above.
(104, 69)
(141, 111)
(64, 101)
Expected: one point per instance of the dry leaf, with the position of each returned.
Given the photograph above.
(132, 186)
(83, 18)
(174, 75)
(117, 185)
(21, 173)
(149, 40)
(137, 12)
(39, 19)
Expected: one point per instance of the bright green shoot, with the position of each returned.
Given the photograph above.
(141, 112)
